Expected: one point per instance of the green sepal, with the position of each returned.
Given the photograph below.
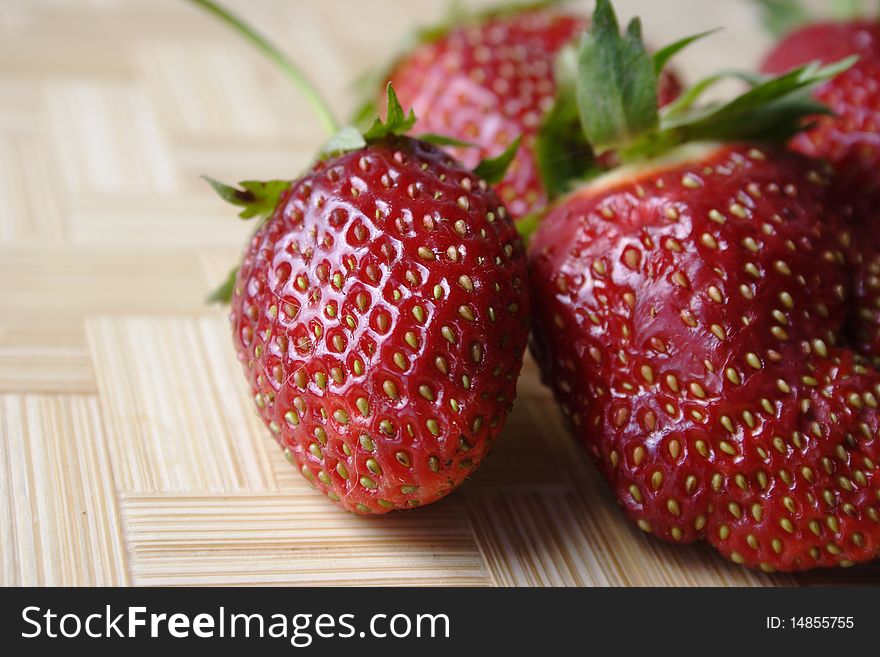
(443, 140)
(397, 122)
(492, 169)
(689, 96)
(562, 152)
(256, 198)
(662, 56)
(771, 111)
(348, 138)
(527, 225)
(223, 293)
(617, 88)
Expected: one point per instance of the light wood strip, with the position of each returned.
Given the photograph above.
(60, 284)
(59, 521)
(296, 538)
(45, 356)
(152, 222)
(232, 159)
(190, 83)
(176, 409)
(218, 262)
(30, 211)
(47, 291)
(105, 137)
(110, 110)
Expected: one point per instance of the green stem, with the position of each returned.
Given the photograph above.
(299, 79)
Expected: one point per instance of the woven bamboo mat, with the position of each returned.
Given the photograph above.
(129, 453)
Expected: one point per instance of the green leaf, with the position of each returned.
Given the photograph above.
(348, 138)
(527, 225)
(662, 56)
(847, 10)
(782, 16)
(492, 169)
(256, 198)
(443, 140)
(562, 152)
(688, 97)
(397, 122)
(772, 110)
(223, 293)
(616, 87)
(366, 111)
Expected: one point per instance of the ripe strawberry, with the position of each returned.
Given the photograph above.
(489, 80)
(826, 41)
(380, 313)
(687, 311)
(850, 140)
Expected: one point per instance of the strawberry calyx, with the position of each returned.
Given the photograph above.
(398, 123)
(256, 198)
(611, 83)
(259, 199)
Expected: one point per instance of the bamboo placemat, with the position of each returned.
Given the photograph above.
(129, 453)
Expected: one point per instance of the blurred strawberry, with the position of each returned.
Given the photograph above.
(488, 79)
(380, 312)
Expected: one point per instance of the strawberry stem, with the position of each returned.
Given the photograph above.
(299, 79)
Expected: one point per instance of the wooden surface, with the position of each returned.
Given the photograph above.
(129, 452)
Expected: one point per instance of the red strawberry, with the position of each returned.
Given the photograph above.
(380, 313)
(492, 80)
(850, 140)
(380, 318)
(825, 41)
(687, 311)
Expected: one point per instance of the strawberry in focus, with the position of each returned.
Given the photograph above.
(380, 315)
(688, 310)
(380, 312)
(490, 80)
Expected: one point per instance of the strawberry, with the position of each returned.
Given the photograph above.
(689, 314)
(490, 78)
(850, 140)
(826, 41)
(381, 314)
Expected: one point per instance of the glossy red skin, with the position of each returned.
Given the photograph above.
(850, 140)
(397, 219)
(489, 83)
(611, 325)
